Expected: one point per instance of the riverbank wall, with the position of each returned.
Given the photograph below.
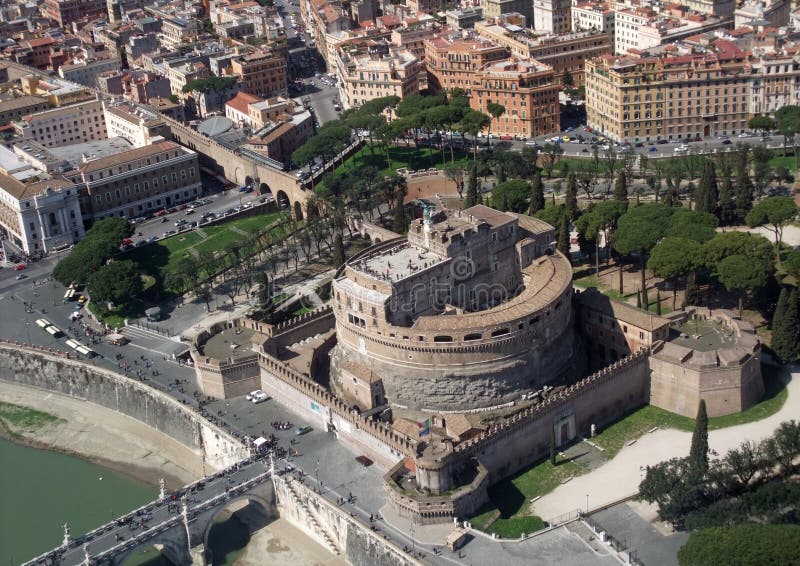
(51, 370)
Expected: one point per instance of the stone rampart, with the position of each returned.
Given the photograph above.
(333, 528)
(224, 378)
(54, 371)
(525, 438)
(300, 327)
(299, 392)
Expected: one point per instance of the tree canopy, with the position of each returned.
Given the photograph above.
(640, 229)
(215, 84)
(757, 249)
(100, 242)
(511, 195)
(692, 225)
(774, 212)
(117, 282)
(748, 544)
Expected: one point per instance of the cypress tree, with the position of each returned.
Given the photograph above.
(691, 295)
(571, 196)
(537, 194)
(472, 187)
(706, 197)
(553, 445)
(786, 326)
(563, 236)
(698, 453)
(501, 173)
(338, 251)
(658, 303)
(400, 220)
(645, 301)
(727, 209)
(621, 187)
(743, 193)
(638, 299)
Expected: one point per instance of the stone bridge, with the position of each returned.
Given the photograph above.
(178, 523)
(376, 234)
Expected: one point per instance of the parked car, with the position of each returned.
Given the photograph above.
(364, 461)
(259, 398)
(20, 267)
(303, 430)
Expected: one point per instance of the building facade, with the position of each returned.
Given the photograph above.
(13, 109)
(552, 16)
(262, 73)
(64, 12)
(669, 97)
(133, 182)
(63, 126)
(369, 69)
(139, 126)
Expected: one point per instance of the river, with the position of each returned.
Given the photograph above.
(43, 489)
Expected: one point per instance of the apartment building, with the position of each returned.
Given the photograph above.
(14, 109)
(496, 8)
(370, 69)
(774, 83)
(627, 22)
(464, 18)
(453, 62)
(143, 179)
(668, 96)
(325, 21)
(58, 92)
(62, 126)
(412, 36)
(138, 125)
(565, 53)
(552, 16)
(262, 73)
(528, 92)
(86, 71)
(593, 15)
(775, 12)
(64, 12)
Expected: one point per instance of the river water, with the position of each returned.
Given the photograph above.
(43, 489)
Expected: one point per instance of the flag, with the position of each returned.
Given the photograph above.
(426, 428)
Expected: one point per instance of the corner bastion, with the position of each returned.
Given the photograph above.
(712, 355)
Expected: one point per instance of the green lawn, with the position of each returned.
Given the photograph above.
(510, 498)
(164, 256)
(16, 418)
(593, 281)
(632, 426)
(402, 157)
(302, 310)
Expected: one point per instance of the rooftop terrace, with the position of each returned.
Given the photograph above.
(703, 335)
(397, 263)
(230, 343)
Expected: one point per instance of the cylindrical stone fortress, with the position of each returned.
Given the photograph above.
(472, 310)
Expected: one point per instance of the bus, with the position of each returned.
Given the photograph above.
(73, 344)
(69, 295)
(42, 323)
(86, 351)
(53, 331)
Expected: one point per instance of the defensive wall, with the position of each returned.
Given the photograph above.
(241, 169)
(727, 378)
(333, 528)
(55, 371)
(223, 378)
(517, 442)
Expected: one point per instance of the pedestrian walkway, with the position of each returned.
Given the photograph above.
(620, 477)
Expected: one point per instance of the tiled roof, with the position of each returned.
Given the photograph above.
(242, 100)
(20, 190)
(595, 300)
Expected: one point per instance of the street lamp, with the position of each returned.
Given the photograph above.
(587, 503)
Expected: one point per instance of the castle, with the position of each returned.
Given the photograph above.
(455, 355)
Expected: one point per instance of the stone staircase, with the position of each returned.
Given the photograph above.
(312, 520)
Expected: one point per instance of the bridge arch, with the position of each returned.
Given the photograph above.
(263, 189)
(298, 210)
(173, 543)
(248, 180)
(239, 176)
(282, 200)
(264, 507)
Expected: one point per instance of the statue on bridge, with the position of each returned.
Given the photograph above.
(162, 489)
(66, 535)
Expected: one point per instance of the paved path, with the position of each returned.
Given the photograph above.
(620, 477)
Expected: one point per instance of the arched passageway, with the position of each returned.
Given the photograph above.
(264, 189)
(298, 210)
(283, 200)
(230, 529)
